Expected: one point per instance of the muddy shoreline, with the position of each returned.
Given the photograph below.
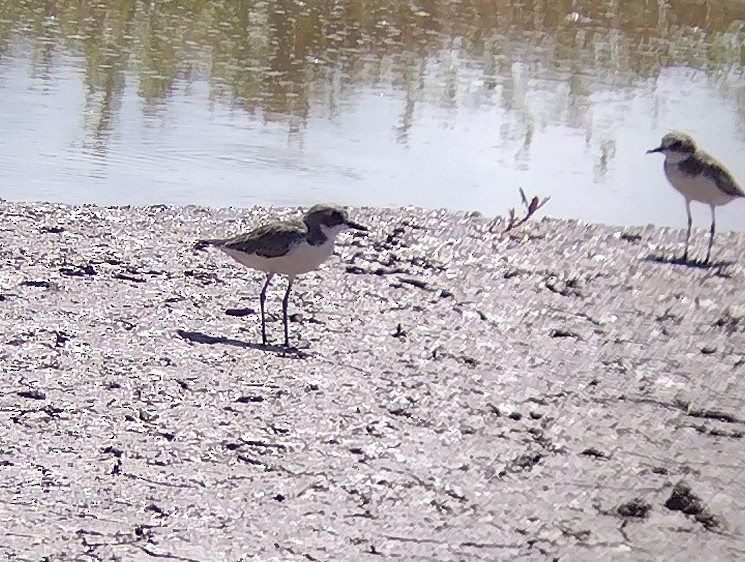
(569, 392)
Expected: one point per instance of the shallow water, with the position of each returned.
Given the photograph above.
(450, 104)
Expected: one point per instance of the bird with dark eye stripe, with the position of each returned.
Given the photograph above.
(290, 248)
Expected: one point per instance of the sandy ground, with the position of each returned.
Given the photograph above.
(566, 393)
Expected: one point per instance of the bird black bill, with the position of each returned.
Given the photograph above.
(651, 150)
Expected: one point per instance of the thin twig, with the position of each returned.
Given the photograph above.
(530, 209)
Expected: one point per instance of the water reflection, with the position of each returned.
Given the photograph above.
(439, 66)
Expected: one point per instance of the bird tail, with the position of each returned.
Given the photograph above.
(202, 244)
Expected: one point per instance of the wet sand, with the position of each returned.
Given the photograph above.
(569, 392)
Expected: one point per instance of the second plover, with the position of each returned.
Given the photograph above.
(698, 176)
(288, 247)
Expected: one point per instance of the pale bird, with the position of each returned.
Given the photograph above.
(698, 176)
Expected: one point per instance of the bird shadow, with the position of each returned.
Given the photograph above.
(678, 260)
(201, 337)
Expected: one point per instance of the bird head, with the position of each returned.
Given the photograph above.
(330, 218)
(676, 146)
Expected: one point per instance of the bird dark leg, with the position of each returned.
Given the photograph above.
(285, 303)
(711, 232)
(262, 300)
(688, 233)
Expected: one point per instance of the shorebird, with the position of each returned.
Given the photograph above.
(288, 247)
(698, 176)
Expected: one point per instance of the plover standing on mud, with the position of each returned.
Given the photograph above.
(287, 247)
(698, 176)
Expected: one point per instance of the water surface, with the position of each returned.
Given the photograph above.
(450, 104)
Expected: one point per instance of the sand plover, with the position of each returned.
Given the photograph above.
(698, 176)
(287, 247)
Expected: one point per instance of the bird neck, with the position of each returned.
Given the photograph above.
(677, 157)
(316, 235)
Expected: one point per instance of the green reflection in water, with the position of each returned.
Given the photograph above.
(281, 58)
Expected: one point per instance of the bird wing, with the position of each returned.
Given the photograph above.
(714, 170)
(269, 241)
(726, 183)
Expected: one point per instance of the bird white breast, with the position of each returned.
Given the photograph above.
(696, 188)
(302, 258)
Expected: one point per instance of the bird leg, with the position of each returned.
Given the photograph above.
(262, 300)
(688, 233)
(285, 303)
(711, 233)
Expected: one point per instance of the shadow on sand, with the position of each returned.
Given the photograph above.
(678, 260)
(200, 337)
